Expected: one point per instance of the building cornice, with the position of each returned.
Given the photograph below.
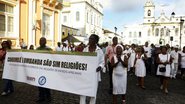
(11, 2)
(157, 24)
(66, 11)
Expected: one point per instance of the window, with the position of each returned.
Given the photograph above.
(176, 31)
(92, 19)
(92, 1)
(65, 19)
(162, 32)
(87, 17)
(2, 7)
(168, 32)
(157, 32)
(139, 42)
(135, 34)
(10, 24)
(149, 32)
(77, 16)
(46, 27)
(130, 42)
(130, 34)
(2, 23)
(149, 12)
(6, 18)
(139, 34)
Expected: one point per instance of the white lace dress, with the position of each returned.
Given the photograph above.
(119, 78)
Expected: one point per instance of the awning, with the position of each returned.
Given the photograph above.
(71, 38)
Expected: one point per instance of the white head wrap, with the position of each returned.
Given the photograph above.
(119, 46)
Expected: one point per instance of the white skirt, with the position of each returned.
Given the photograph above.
(119, 82)
(166, 73)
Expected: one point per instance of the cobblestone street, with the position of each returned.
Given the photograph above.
(27, 94)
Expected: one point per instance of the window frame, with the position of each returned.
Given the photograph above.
(7, 13)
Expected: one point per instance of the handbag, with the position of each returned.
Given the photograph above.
(163, 69)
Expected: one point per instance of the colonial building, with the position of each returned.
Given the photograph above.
(29, 20)
(157, 30)
(84, 15)
(108, 35)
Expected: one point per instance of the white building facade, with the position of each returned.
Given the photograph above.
(84, 15)
(156, 30)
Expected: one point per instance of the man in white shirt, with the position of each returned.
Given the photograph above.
(175, 55)
(148, 62)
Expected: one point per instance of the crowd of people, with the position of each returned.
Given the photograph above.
(118, 60)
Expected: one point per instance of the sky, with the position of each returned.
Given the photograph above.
(119, 13)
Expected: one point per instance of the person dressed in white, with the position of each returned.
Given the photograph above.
(58, 48)
(119, 76)
(140, 69)
(175, 56)
(65, 47)
(164, 68)
(148, 62)
(132, 55)
(93, 40)
(182, 61)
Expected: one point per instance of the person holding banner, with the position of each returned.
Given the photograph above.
(119, 63)
(8, 85)
(92, 47)
(44, 93)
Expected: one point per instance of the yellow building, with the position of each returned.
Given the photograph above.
(29, 20)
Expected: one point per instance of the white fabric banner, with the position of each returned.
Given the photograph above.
(69, 73)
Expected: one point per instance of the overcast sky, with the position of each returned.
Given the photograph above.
(118, 13)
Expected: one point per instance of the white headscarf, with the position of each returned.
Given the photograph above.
(119, 46)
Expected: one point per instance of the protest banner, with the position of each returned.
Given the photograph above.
(73, 73)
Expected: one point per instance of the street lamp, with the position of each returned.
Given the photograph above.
(115, 28)
(181, 25)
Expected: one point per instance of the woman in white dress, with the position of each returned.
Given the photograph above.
(119, 77)
(140, 69)
(164, 68)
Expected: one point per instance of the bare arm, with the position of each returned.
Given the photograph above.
(113, 62)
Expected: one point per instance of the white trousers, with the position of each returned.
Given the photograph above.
(174, 70)
(83, 100)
